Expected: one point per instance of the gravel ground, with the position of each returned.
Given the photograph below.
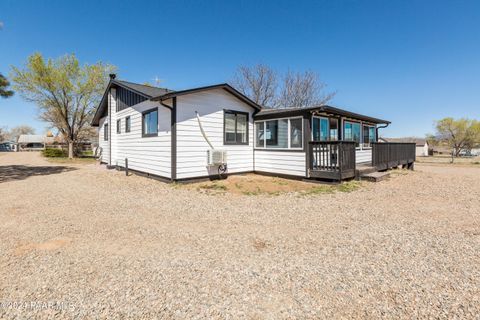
(84, 242)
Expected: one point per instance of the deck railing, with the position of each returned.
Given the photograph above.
(332, 159)
(392, 154)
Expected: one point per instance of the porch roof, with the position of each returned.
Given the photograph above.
(273, 113)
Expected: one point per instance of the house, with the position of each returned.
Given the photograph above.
(207, 131)
(421, 145)
(32, 142)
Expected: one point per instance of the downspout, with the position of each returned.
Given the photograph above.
(382, 127)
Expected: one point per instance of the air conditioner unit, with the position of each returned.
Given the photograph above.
(216, 157)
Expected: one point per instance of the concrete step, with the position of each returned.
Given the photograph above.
(375, 176)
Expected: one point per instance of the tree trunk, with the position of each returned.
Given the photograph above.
(70, 149)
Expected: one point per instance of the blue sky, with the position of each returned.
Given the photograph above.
(410, 62)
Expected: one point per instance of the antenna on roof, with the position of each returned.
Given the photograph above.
(157, 80)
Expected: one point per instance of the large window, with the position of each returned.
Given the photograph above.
(279, 134)
(235, 127)
(351, 131)
(150, 123)
(127, 124)
(368, 136)
(105, 132)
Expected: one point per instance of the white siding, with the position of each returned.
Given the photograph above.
(363, 156)
(421, 151)
(146, 154)
(291, 163)
(105, 145)
(192, 147)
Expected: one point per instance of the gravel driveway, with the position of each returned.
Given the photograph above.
(83, 242)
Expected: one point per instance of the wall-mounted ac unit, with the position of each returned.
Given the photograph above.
(216, 157)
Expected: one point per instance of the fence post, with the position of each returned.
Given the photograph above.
(126, 167)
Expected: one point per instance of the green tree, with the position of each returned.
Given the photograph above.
(4, 84)
(461, 134)
(65, 92)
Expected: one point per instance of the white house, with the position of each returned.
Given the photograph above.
(201, 132)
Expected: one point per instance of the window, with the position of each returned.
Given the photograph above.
(150, 123)
(235, 127)
(320, 129)
(296, 133)
(119, 126)
(127, 124)
(105, 132)
(368, 136)
(279, 134)
(260, 134)
(276, 133)
(324, 129)
(333, 129)
(351, 132)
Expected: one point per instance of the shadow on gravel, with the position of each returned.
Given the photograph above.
(19, 172)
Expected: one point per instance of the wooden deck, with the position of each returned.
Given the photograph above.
(335, 160)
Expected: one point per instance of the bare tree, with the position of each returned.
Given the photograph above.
(259, 83)
(303, 90)
(3, 134)
(19, 130)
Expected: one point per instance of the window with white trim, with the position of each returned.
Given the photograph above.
(352, 132)
(284, 133)
(368, 135)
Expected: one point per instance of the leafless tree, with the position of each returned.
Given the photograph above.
(259, 83)
(3, 134)
(19, 130)
(303, 90)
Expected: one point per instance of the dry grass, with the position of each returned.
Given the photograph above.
(444, 160)
(256, 185)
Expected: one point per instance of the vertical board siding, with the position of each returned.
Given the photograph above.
(192, 147)
(363, 156)
(149, 154)
(289, 163)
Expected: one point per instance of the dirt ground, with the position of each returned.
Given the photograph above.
(80, 241)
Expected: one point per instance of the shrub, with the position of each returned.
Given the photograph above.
(54, 153)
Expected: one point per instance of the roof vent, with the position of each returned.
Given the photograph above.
(112, 76)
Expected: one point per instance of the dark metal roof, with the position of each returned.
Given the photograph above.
(144, 90)
(148, 91)
(160, 94)
(224, 86)
(268, 113)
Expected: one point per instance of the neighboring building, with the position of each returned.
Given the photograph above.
(201, 132)
(421, 145)
(33, 142)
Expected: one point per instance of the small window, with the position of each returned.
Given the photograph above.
(119, 126)
(333, 129)
(127, 124)
(235, 127)
(105, 132)
(368, 136)
(296, 133)
(150, 123)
